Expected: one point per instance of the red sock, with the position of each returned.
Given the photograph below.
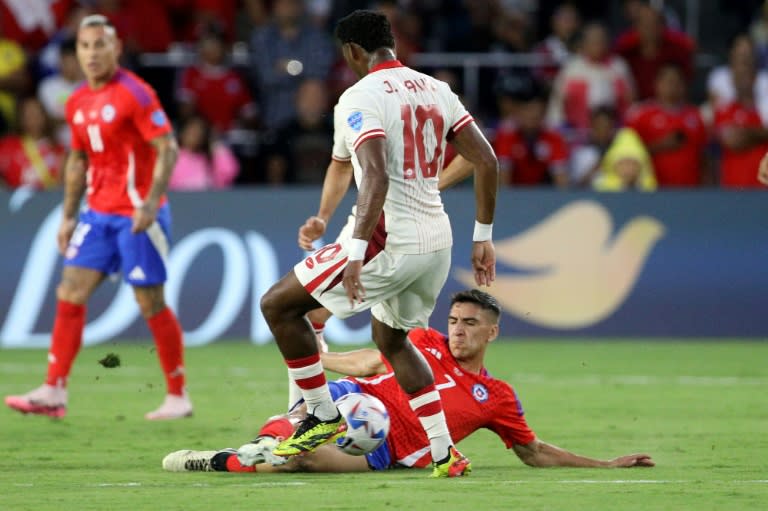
(66, 340)
(318, 327)
(234, 465)
(170, 348)
(280, 428)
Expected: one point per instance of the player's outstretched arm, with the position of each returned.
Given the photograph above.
(457, 171)
(472, 145)
(74, 187)
(542, 454)
(167, 150)
(335, 186)
(359, 363)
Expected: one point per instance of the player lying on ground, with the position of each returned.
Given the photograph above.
(472, 399)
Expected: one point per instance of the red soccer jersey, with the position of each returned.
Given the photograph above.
(113, 126)
(529, 162)
(738, 169)
(218, 94)
(470, 402)
(679, 167)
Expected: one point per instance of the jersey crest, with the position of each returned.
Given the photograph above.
(480, 392)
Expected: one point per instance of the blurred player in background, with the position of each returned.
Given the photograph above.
(123, 152)
(392, 125)
(472, 400)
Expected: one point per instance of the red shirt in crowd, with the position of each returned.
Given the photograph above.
(674, 48)
(25, 162)
(219, 94)
(654, 123)
(738, 169)
(32, 28)
(529, 162)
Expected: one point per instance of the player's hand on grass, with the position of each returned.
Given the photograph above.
(352, 284)
(312, 229)
(143, 217)
(66, 229)
(762, 172)
(484, 262)
(633, 460)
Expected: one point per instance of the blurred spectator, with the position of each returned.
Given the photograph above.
(558, 46)
(143, 25)
(529, 153)
(253, 13)
(672, 131)
(214, 90)
(591, 78)
(720, 83)
(49, 56)
(405, 27)
(301, 149)
(741, 133)
(469, 26)
(203, 163)
(587, 156)
(650, 45)
(31, 23)
(626, 165)
(54, 90)
(13, 78)
(32, 157)
(193, 17)
(758, 32)
(284, 53)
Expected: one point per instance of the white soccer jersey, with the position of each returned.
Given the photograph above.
(417, 114)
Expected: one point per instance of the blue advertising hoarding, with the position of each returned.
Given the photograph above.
(576, 264)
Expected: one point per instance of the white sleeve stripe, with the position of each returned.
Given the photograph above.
(339, 158)
(368, 135)
(461, 123)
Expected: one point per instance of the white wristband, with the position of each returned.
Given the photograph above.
(483, 232)
(356, 249)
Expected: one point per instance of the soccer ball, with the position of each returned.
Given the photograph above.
(367, 423)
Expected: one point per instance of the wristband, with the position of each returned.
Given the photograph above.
(483, 232)
(356, 249)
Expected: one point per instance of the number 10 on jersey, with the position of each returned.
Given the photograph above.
(422, 134)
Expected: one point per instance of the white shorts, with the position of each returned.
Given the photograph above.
(400, 289)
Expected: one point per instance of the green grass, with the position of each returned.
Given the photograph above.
(701, 410)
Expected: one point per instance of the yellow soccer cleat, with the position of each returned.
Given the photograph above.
(456, 465)
(311, 434)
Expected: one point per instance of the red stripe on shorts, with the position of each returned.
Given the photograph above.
(314, 283)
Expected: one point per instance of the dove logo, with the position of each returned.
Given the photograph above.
(572, 270)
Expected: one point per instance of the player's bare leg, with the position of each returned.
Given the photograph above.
(415, 377)
(76, 287)
(169, 343)
(284, 308)
(317, 318)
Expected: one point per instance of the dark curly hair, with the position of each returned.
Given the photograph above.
(479, 298)
(368, 29)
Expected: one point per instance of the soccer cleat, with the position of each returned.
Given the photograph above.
(195, 461)
(44, 400)
(455, 465)
(260, 451)
(311, 434)
(173, 407)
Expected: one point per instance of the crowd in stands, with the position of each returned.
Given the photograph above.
(608, 107)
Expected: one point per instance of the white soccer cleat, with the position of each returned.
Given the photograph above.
(260, 451)
(189, 461)
(173, 407)
(47, 400)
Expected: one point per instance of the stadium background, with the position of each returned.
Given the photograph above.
(577, 262)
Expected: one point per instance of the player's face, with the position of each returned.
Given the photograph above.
(97, 52)
(470, 329)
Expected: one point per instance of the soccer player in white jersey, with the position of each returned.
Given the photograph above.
(392, 126)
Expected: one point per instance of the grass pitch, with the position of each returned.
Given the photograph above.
(700, 409)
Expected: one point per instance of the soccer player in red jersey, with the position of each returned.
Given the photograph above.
(741, 133)
(123, 152)
(672, 130)
(472, 400)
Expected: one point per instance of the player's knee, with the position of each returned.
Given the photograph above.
(271, 305)
(150, 301)
(69, 291)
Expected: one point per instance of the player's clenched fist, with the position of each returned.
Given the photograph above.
(312, 229)
(762, 171)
